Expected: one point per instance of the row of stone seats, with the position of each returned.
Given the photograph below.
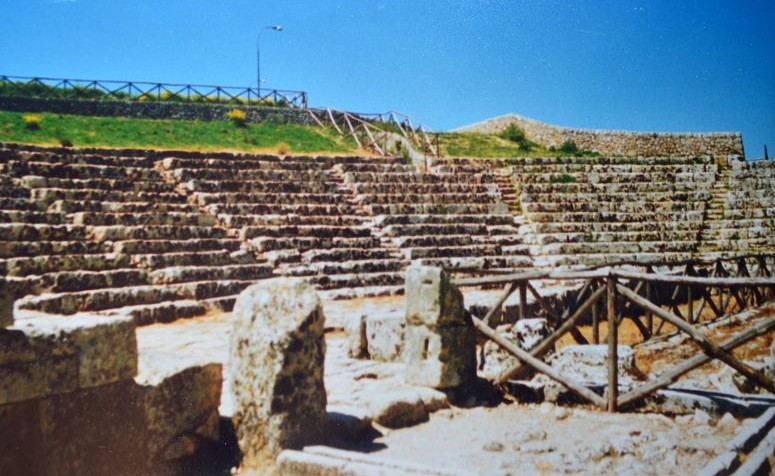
(296, 213)
(443, 218)
(589, 211)
(102, 231)
(742, 214)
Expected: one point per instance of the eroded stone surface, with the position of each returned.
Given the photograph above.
(439, 347)
(276, 362)
(526, 333)
(6, 304)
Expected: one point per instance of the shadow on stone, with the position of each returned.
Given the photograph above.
(214, 457)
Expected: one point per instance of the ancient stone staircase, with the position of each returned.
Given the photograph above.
(589, 211)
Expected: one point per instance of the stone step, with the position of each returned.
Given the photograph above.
(361, 292)
(370, 167)
(750, 213)
(210, 289)
(744, 223)
(740, 233)
(616, 177)
(136, 219)
(450, 251)
(346, 254)
(181, 274)
(12, 249)
(434, 229)
(100, 299)
(478, 262)
(50, 195)
(392, 188)
(420, 219)
(30, 217)
(575, 167)
(273, 198)
(341, 267)
(146, 314)
(245, 163)
(616, 248)
(13, 203)
(40, 232)
(357, 280)
(304, 243)
(66, 206)
(416, 178)
(430, 198)
(190, 258)
(153, 232)
(74, 281)
(612, 206)
(611, 188)
(176, 246)
(435, 209)
(318, 231)
(431, 240)
(254, 187)
(599, 160)
(610, 259)
(124, 185)
(625, 196)
(238, 221)
(302, 209)
(602, 217)
(212, 173)
(27, 265)
(615, 237)
(574, 228)
(82, 171)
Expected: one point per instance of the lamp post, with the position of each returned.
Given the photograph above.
(258, 54)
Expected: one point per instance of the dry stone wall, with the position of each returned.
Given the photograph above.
(618, 143)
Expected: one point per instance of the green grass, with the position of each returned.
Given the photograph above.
(85, 131)
(456, 144)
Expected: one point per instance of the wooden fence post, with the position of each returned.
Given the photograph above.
(613, 358)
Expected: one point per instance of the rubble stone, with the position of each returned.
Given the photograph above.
(276, 369)
(385, 337)
(526, 333)
(357, 341)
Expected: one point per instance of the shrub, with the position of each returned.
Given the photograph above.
(513, 133)
(32, 121)
(64, 142)
(238, 117)
(283, 148)
(569, 147)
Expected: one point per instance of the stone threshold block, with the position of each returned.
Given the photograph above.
(43, 355)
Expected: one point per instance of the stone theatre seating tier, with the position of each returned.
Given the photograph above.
(741, 218)
(445, 218)
(108, 234)
(588, 211)
(297, 214)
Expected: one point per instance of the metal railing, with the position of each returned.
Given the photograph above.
(92, 89)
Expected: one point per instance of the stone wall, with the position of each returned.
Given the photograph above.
(154, 110)
(618, 143)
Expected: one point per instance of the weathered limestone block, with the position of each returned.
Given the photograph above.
(6, 304)
(439, 344)
(357, 341)
(385, 337)
(526, 333)
(46, 355)
(276, 369)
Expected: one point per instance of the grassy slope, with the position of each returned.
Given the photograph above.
(456, 144)
(83, 131)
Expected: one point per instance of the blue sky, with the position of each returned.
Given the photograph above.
(697, 65)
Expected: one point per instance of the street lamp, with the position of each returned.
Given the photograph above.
(258, 54)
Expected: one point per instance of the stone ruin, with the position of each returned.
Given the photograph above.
(97, 244)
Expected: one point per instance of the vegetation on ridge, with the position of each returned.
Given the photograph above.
(86, 131)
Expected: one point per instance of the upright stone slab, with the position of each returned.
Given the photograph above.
(6, 304)
(276, 370)
(440, 346)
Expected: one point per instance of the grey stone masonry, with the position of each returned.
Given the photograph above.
(440, 347)
(6, 304)
(276, 370)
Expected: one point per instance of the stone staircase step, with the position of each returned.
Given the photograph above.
(237, 221)
(40, 232)
(304, 243)
(380, 188)
(186, 174)
(50, 195)
(302, 209)
(32, 217)
(434, 229)
(175, 246)
(26, 265)
(341, 267)
(66, 206)
(181, 274)
(430, 198)
(431, 240)
(317, 231)
(55, 170)
(246, 186)
(162, 312)
(135, 219)
(124, 184)
(154, 232)
(216, 257)
(204, 199)
(420, 208)
(346, 254)
(100, 299)
(450, 251)
(436, 219)
(14, 249)
(357, 280)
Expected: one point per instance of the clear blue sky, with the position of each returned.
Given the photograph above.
(696, 65)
